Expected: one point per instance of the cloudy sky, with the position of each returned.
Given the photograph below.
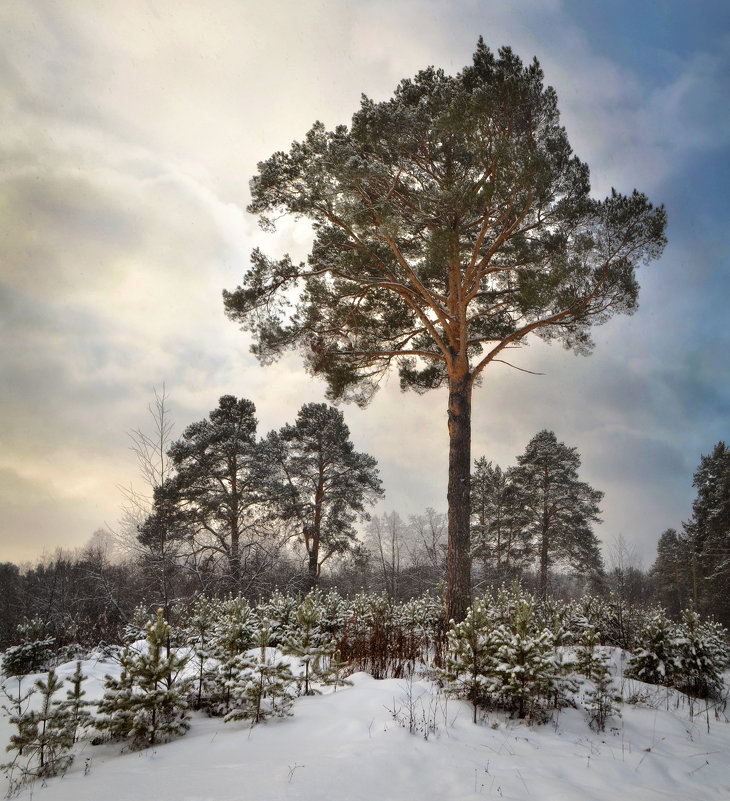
(129, 134)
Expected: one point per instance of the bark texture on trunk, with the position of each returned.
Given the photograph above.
(313, 544)
(458, 592)
(313, 566)
(544, 563)
(234, 556)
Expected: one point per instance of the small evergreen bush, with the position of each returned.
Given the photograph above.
(260, 682)
(34, 653)
(470, 656)
(524, 664)
(148, 703)
(306, 641)
(43, 737)
(657, 657)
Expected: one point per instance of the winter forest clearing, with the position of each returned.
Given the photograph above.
(252, 640)
(570, 721)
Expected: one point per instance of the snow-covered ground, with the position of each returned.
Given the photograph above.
(348, 745)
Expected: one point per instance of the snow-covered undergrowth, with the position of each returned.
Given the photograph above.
(355, 742)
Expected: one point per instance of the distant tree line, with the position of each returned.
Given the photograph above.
(693, 566)
(227, 513)
(224, 512)
(73, 597)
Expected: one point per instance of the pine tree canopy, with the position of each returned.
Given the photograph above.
(451, 221)
(218, 480)
(558, 509)
(320, 480)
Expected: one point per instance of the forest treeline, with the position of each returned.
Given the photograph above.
(227, 513)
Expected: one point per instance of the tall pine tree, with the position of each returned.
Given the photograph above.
(671, 573)
(452, 222)
(217, 486)
(321, 481)
(558, 510)
(496, 536)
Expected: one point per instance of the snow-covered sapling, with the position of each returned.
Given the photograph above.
(260, 682)
(601, 701)
(309, 643)
(43, 736)
(33, 654)
(703, 656)
(233, 635)
(200, 638)
(656, 658)
(469, 665)
(148, 702)
(524, 664)
(75, 705)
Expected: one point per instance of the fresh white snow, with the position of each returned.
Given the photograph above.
(346, 745)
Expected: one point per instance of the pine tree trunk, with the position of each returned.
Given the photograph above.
(542, 591)
(316, 529)
(234, 562)
(545, 535)
(458, 591)
(313, 566)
